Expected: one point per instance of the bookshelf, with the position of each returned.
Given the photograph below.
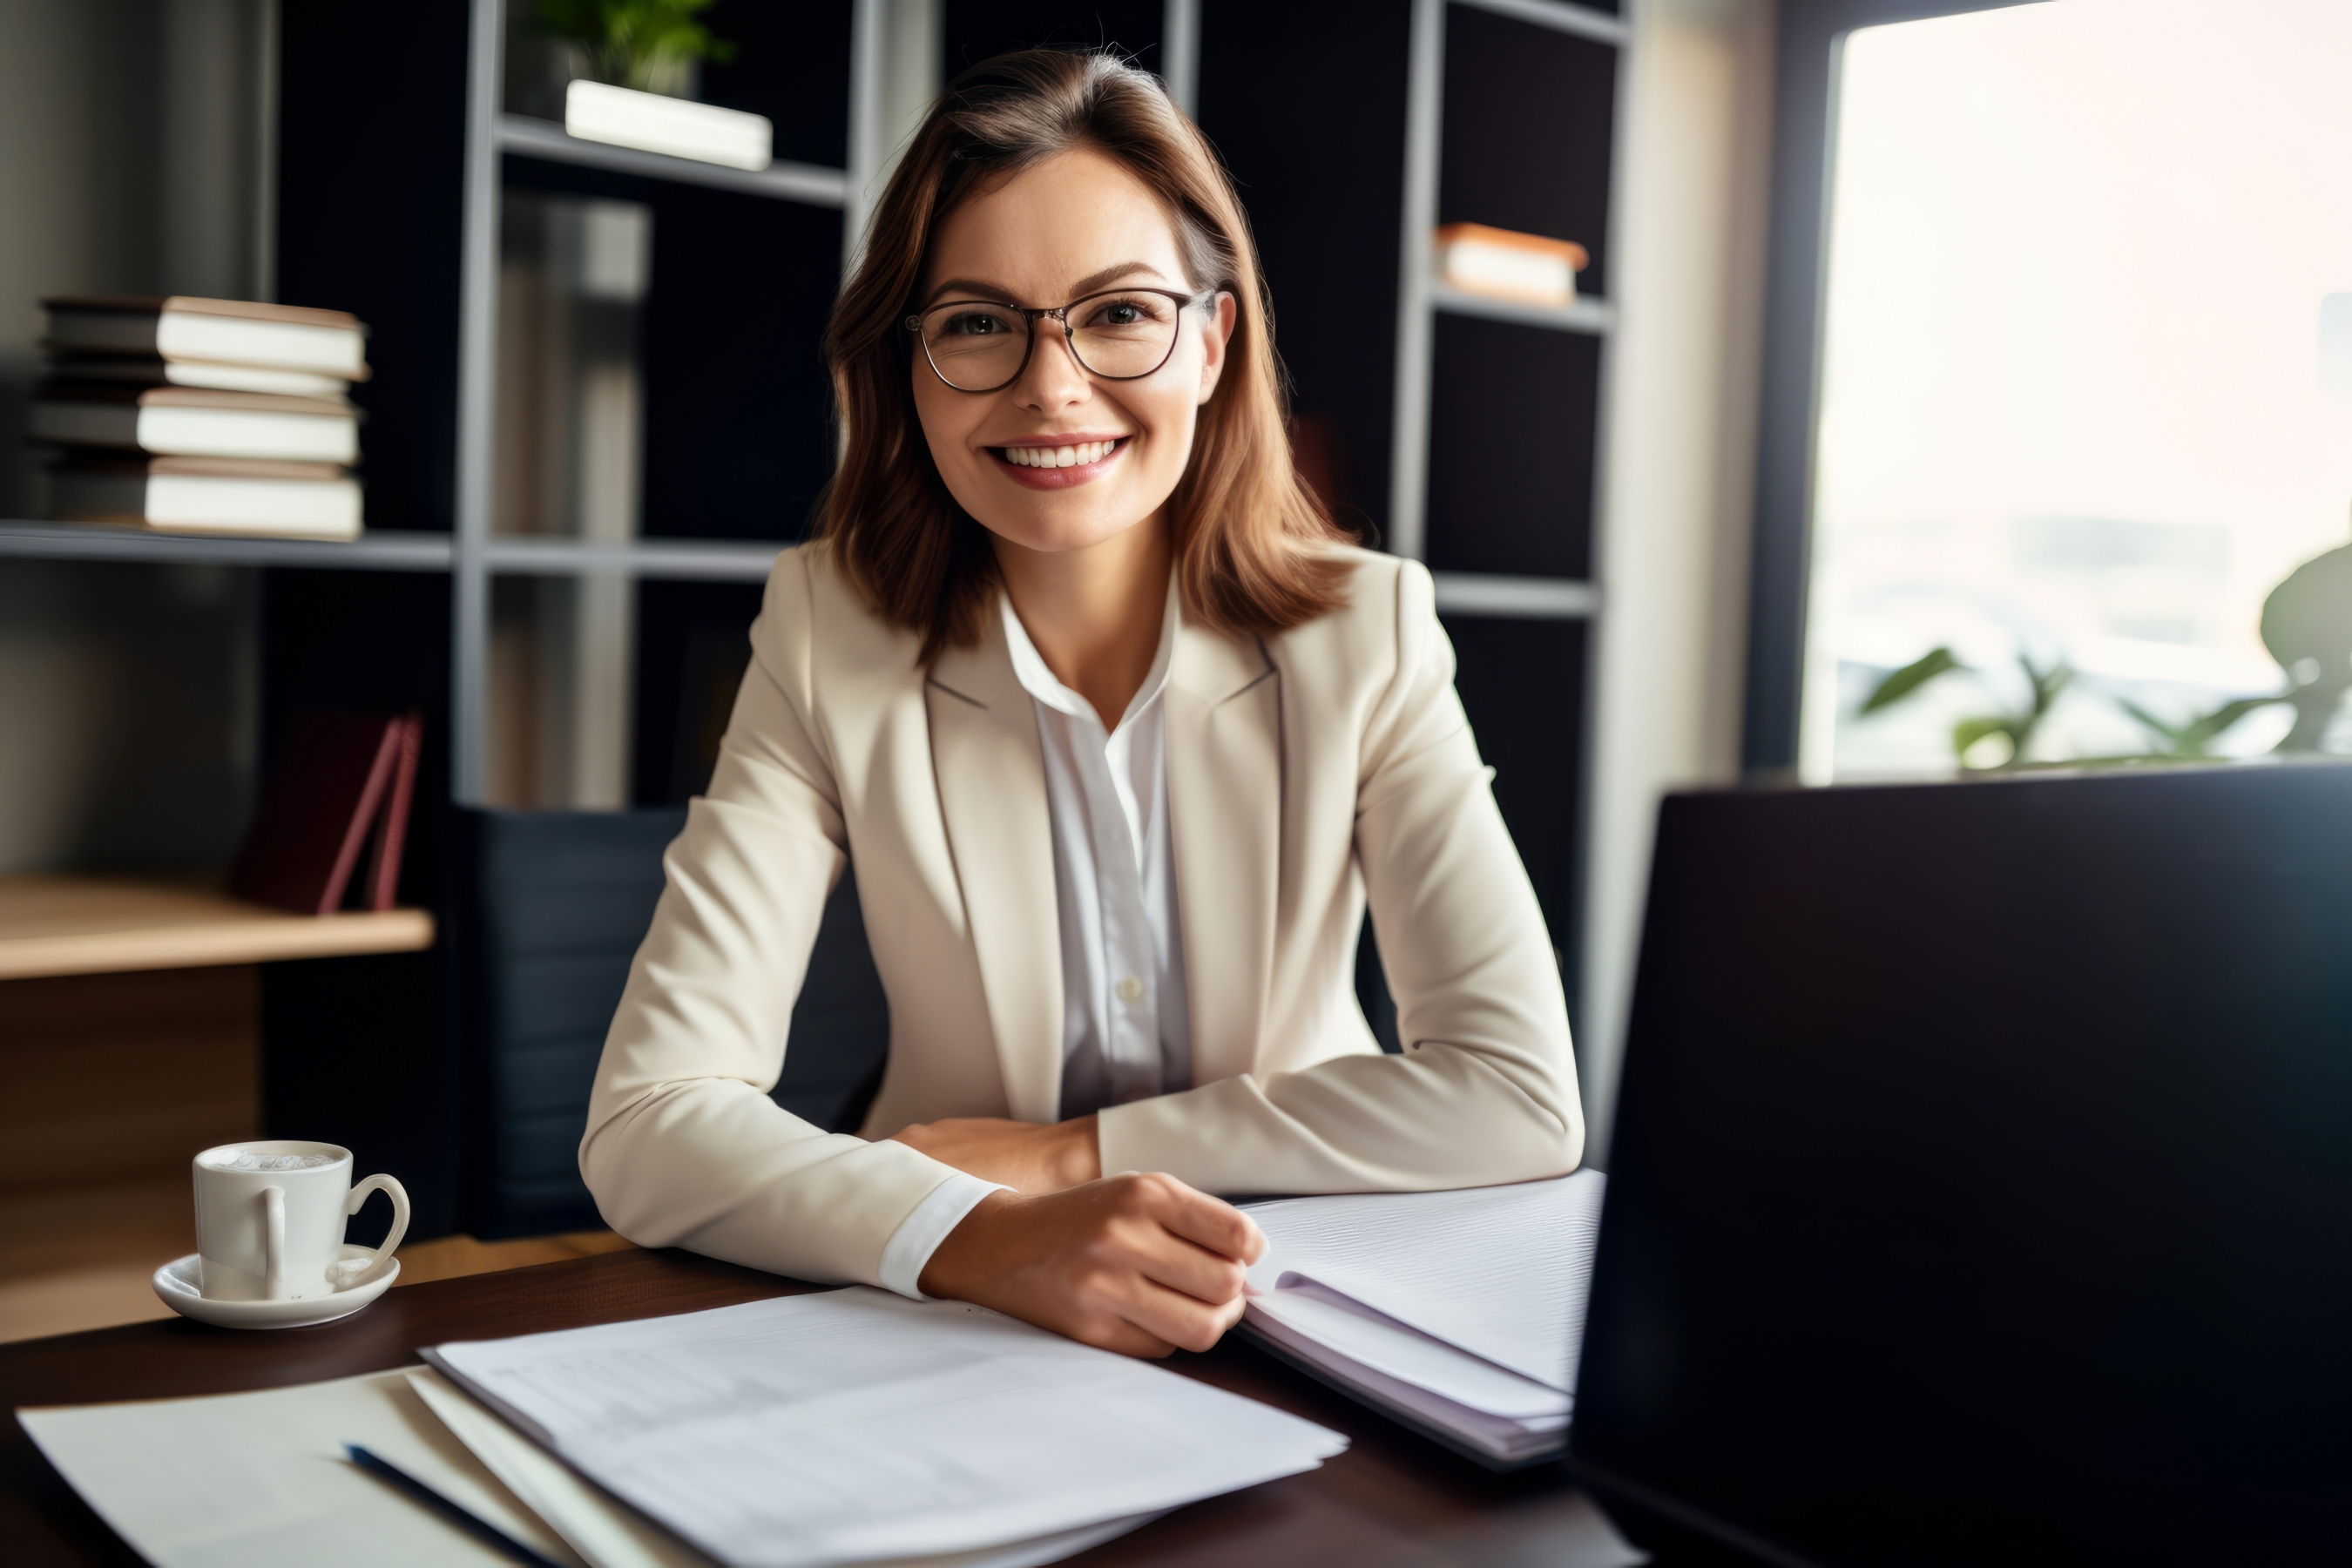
(1471, 427)
(396, 189)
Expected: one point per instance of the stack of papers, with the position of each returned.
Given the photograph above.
(1460, 1312)
(848, 1428)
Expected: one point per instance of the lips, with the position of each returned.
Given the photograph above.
(1058, 465)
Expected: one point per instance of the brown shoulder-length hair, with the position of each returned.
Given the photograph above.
(1250, 541)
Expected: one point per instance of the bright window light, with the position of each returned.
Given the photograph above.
(2084, 259)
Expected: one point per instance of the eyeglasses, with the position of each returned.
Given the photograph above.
(983, 345)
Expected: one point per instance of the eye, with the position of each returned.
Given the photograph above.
(1127, 313)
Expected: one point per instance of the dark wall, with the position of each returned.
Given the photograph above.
(973, 30)
(372, 152)
(1305, 103)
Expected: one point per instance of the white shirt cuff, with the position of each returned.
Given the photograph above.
(920, 1234)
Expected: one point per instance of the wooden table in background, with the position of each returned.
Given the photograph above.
(1391, 1498)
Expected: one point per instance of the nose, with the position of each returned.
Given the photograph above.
(1054, 379)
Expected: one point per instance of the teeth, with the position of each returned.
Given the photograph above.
(1073, 457)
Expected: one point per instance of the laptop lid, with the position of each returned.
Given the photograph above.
(1981, 1181)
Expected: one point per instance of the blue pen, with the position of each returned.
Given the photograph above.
(480, 1529)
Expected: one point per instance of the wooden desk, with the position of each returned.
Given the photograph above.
(1391, 1498)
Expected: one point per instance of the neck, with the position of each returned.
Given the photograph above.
(1094, 613)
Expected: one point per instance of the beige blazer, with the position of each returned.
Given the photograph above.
(1305, 771)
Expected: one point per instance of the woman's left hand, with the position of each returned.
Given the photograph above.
(1021, 1156)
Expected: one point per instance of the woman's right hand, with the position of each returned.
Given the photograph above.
(1140, 1264)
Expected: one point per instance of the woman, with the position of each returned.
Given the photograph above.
(1119, 735)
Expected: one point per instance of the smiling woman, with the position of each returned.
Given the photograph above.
(1121, 734)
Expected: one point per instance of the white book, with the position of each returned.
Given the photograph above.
(235, 331)
(1461, 1312)
(153, 370)
(655, 122)
(191, 422)
(210, 495)
(858, 1427)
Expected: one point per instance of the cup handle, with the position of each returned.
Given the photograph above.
(377, 1265)
(273, 1243)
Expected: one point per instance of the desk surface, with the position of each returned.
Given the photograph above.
(1391, 1498)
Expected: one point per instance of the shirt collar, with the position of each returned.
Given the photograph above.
(1029, 666)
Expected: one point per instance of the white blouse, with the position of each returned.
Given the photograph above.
(1126, 1031)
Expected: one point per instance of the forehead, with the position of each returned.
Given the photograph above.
(1038, 232)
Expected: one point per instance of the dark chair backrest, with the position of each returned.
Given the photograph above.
(559, 902)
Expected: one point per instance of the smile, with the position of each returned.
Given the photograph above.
(1043, 466)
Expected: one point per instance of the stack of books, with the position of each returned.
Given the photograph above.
(203, 416)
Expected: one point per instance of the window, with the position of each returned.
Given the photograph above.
(2080, 404)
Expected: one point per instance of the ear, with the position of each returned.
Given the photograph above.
(1216, 337)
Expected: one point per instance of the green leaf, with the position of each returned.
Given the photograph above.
(1910, 679)
(2168, 733)
(2217, 723)
(1969, 732)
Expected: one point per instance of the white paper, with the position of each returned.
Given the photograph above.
(610, 1534)
(1368, 1339)
(1499, 1435)
(260, 1481)
(857, 1425)
(1501, 1272)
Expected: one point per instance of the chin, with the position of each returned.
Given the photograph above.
(1052, 534)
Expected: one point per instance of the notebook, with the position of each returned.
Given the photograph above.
(1458, 1312)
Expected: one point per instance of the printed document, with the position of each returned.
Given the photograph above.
(856, 1426)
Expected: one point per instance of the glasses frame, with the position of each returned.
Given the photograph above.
(1069, 335)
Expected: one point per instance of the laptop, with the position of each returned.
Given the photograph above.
(1980, 1187)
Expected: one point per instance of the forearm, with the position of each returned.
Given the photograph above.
(717, 1166)
(1438, 1116)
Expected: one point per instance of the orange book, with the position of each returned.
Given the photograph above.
(1509, 264)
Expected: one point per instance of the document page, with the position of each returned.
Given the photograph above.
(260, 1481)
(857, 1425)
(1501, 1272)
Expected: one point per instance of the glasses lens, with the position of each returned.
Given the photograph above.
(975, 347)
(1124, 335)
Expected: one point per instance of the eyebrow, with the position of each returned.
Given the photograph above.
(1087, 285)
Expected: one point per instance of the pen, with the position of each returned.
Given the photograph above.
(479, 1529)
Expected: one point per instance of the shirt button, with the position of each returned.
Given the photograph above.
(1130, 990)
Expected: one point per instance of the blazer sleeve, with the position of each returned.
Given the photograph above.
(1486, 1088)
(684, 1147)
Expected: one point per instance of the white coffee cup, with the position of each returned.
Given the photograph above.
(270, 1217)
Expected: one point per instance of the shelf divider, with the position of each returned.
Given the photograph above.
(107, 925)
(386, 551)
(780, 180)
(1597, 316)
(1582, 20)
(716, 560)
(1516, 598)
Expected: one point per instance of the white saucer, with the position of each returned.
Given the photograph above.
(176, 1283)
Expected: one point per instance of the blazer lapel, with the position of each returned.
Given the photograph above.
(991, 787)
(1224, 810)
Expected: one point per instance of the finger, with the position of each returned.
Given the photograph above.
(1178, 1319)
(1205, 1221)
(1184, 1265)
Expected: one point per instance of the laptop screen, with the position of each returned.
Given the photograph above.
(1980, 1187)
